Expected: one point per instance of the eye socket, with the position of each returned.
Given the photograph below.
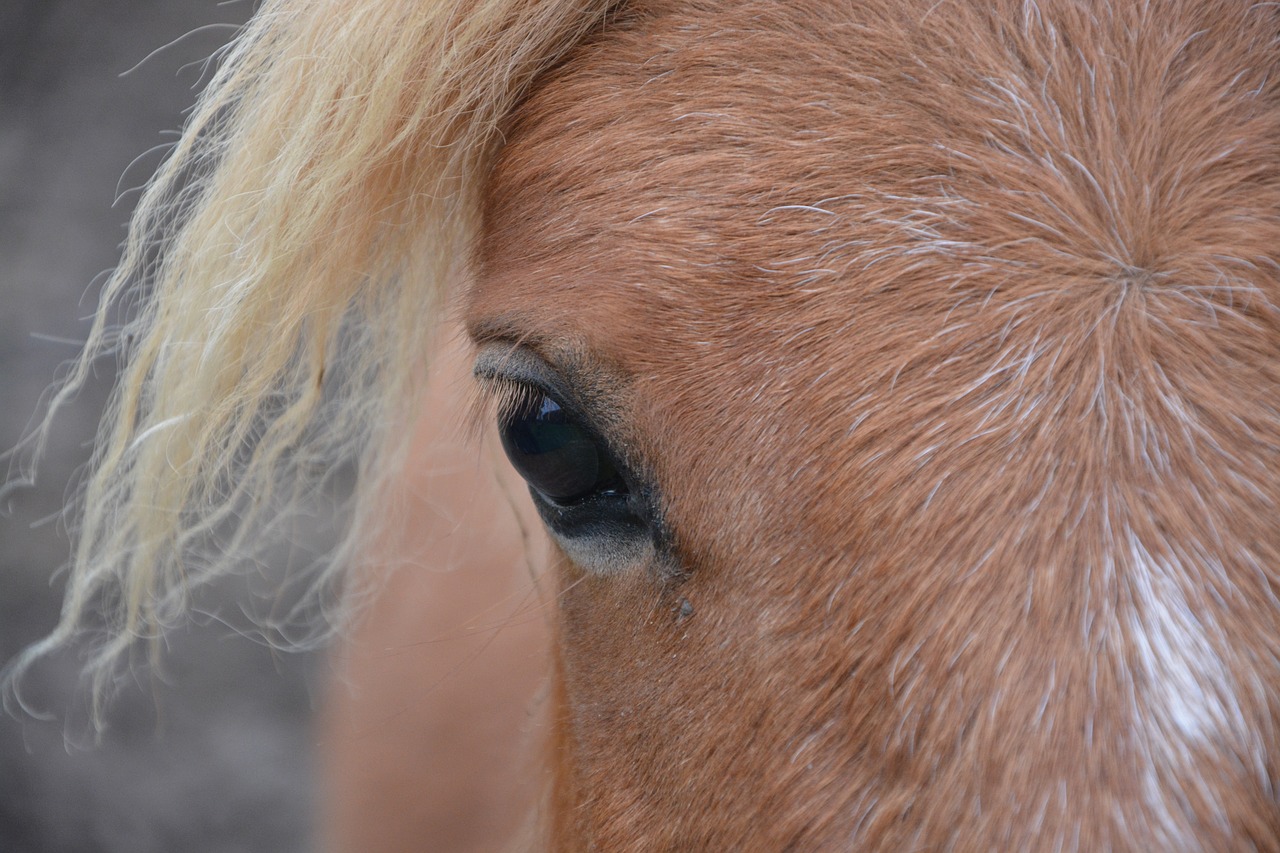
(559, 457)
(600, 508)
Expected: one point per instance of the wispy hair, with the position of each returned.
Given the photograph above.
(281, 281)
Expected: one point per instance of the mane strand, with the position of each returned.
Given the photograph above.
(285, 267)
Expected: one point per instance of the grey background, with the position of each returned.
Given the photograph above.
(217, 756)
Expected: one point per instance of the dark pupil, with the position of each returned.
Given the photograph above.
(556, 456)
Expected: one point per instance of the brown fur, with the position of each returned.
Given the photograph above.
(949, 333)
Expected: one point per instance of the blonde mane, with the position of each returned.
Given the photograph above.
(283, 273)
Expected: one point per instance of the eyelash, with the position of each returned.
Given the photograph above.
(495, 399)
(507, 397)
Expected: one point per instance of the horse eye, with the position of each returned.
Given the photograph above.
(601, 510)
(559, 458)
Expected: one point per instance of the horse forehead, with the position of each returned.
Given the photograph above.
(693, 159)
(715, 207)
(679, 164)
(863, 218)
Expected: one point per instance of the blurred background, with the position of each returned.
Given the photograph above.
(217, 754)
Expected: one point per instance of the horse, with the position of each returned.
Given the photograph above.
(895, 383)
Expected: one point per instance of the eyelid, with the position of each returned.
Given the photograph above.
(503, 366)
